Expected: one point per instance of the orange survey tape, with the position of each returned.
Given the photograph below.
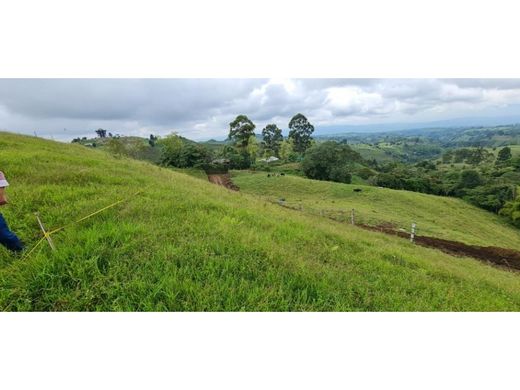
(48, 234)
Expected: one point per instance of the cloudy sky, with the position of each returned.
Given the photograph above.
(202, 108)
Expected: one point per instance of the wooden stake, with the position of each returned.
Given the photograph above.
(49, 239)
(352, 216)
(412, 233)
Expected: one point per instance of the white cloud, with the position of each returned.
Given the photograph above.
(203, 108)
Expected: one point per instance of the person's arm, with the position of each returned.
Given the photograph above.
(3, 198)
(3, 184)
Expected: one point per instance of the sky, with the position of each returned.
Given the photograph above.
(201, 109)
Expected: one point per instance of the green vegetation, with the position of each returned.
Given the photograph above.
(511, 210)
(185, 244)
(300, 131)
(240, 131)
(330, 161)
(134, 147)
(444, 138)
(427, 161)
(180, 152)
(442, 217)
(272, 139)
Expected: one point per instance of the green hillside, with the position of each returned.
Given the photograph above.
(380, 154)
(185, 244)
(442, 217)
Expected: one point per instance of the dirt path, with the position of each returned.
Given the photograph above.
(500, 256)
(223, 179)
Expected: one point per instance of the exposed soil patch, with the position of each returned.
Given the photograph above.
(223, 179)
(500, 256)
(508, 258)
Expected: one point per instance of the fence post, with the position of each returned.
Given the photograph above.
(412, 233)
(49, 239)
(352, 217)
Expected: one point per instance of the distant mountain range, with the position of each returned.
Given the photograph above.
(384, 127)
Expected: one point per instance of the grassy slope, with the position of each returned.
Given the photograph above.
(442, 217)
(152, 154)
(185, 244)
(385, 153)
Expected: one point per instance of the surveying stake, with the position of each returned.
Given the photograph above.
(45, 234)
(412, 233)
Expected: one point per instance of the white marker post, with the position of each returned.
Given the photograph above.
(49, 239)
(412, 233)
(352, 217)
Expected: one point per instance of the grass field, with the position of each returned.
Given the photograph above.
(515, 150)
(185, 244)
(442, 217)
(382, 154)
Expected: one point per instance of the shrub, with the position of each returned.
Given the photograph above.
(330, 161)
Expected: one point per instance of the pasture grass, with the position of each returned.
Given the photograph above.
(443, 217)
(185, 244)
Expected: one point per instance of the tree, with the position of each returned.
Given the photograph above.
(181, 153)
(152, 140)
(469, 179)
(238, 159)
(330, 161)
(240, 131)
(300, 131)
(252, 148)
(273, 137)
(511, 210)
(115, 146)
(515, 163)
(490, 197)
(365, 173)
(478, 155)
(101, 133)
(171, 149)
(286, 149)
(504, 156)
(447, 157)
(389, 180)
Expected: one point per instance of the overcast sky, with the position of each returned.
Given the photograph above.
(202, 108)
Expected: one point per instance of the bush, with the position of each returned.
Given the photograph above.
(470, 179)
(341, 175)
(365, 173)
(511, 210)
(238, 159)
(181, 153)
(330, 161)
(389, 180)
(490, 197)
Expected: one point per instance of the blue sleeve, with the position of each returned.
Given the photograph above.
(8, 238)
